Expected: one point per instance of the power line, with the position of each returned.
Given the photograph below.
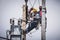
(4, 38)
(33, 3)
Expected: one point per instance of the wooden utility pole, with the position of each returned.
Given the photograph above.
(24, 23)
(43, 28)
(25, 14)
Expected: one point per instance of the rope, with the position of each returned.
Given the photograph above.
(39, 2)
(30, 2)
(33, 3)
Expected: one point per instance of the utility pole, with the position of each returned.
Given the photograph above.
(43, 28)
(25, 14)
(24, 23)
(26, 8)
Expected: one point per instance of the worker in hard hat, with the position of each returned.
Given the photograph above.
(34, 20)
(40, 13)
(33, 13)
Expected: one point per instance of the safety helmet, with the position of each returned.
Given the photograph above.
(34, 10)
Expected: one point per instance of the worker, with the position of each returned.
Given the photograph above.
(30, 10)
(33, 24)
(40, 13)
(29, 14)
(33, 13)
(40, 10)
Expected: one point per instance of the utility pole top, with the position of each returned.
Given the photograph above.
(26, 1)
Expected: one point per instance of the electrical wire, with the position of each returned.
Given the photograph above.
(33, 3)
(39, 2)
(3, 38)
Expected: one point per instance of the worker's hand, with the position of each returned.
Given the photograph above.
(31, 19)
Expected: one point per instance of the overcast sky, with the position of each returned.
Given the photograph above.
(13, 8)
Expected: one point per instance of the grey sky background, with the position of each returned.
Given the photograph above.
(13, 8)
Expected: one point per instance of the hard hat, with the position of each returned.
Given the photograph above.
(34, 10)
